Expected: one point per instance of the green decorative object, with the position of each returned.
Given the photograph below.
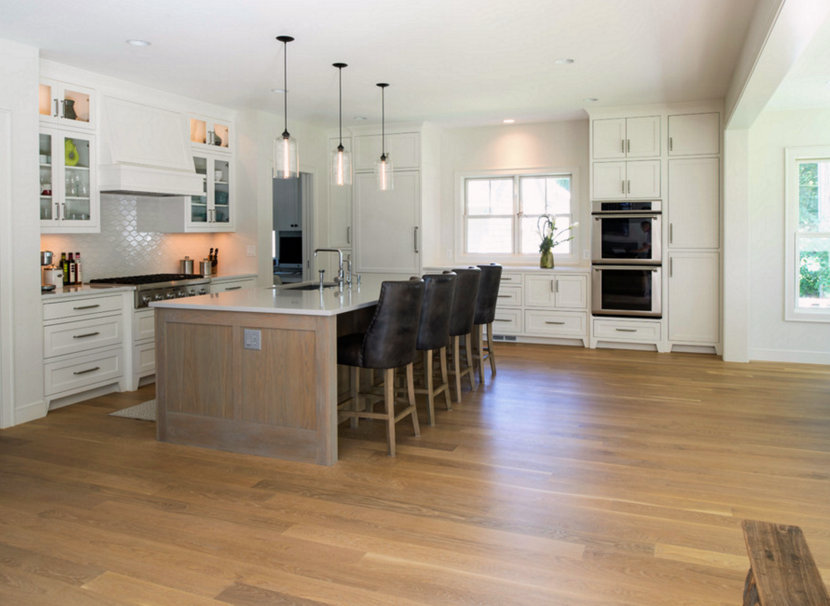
(71, 153)
(546, 225)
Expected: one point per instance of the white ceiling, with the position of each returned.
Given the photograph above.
(807, 84)
(455, 62)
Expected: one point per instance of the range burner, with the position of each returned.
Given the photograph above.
(158, 287)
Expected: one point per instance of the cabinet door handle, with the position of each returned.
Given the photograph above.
(88, 306)
(671, 266)
(83, 372)
(57, 211)
(551, 322)
(557, 285)
(63, 211)
(623, 185)
(626, 329)
(671, 232)
(56, 108)
(622, 145)
(415, 238)
(628, 184)
(348, 234)
(628, 146)
(233, 288)
(671, 144)
(85, 335)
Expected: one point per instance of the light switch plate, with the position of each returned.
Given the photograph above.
(252, 339)
(250, 250)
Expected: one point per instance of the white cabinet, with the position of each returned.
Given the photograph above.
(213, 211)
(232, 283)
(627, 330)
(143, 345)
(83, 338)
(694, 203)
(626, 180)
(626, 138)
(387, 224)
(403, 148)
(69, 201)
(557, 290)
(694, 308)
(211, 133)
(60, 103)
(340, 206)
(694, 134)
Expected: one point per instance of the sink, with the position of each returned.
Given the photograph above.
(308, 286)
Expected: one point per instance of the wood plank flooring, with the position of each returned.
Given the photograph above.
(575, 477)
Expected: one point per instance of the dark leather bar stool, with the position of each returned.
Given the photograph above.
(434, 334)
(488, 294)
(461, 324)
(388, 344)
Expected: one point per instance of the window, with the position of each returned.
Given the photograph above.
(501, 213)
(808, 234)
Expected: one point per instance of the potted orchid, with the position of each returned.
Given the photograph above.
(546, 225)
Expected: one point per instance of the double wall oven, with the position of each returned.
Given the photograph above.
(626, 251)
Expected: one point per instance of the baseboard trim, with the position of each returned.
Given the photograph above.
(790, 355)
(29, 412)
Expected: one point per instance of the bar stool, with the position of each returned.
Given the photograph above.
(488, 294)
(388, 343)
(461, 323)
(434, 334)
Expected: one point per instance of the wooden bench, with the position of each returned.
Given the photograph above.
(782, 571)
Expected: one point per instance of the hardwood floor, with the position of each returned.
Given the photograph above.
(576, 477)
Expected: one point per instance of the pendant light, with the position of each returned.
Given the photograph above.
(286, 162)
(383, 167)
(341, 161)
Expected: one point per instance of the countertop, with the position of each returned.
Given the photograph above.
(280, 300)
(68, 292)
(581, 269)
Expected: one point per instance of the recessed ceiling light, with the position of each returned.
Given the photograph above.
(591, 99)
(136, 42)
(564, 61)
(278, 91)
(508, 121)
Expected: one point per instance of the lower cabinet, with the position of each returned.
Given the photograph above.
(627, 330)
(232, 283)
(694, 298)
(83, 340)
(143, 345)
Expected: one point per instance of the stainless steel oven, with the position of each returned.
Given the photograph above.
(626, 290)
(627, 233)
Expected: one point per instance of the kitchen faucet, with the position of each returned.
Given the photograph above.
(340, 279)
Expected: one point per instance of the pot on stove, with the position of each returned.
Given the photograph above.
(186, 266)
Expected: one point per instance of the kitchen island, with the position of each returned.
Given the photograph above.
(255, 371)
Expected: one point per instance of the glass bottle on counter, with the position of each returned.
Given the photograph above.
(71, 265)
(65, 268)
(78, 274)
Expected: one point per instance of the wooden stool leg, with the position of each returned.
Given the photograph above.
(429, 385)
(456, 359)
(478, 354)
(442, 354)
(410, 388)
(389, 401)
(355, 388)
(468, 355)
(491, 354)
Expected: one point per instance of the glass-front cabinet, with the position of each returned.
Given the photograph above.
(212, 210)
(68, 187)
(67, 104)
(212, 133)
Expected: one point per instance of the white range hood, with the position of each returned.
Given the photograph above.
(145, 151)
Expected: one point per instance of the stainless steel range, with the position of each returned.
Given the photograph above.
(158, 287)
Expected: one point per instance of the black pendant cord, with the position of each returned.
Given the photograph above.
(340, 67)
(285, 40)
(382, 86)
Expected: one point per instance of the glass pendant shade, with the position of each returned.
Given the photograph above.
(385, 173)
(286, 158)
(341, 166)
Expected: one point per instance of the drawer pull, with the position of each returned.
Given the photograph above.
(233, 288)
(505, 296)
(83, 336)
(88, 370)
(626, 329)
(507, 279)
(500, 320)
(88, 306)
(551, 322)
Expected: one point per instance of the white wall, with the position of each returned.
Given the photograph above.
(549, 145)
(21, 379)
(771, 337)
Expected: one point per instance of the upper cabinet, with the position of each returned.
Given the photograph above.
(210, 133)
(694, 134)
(69, 200)
(637, 180)
(65, 104)
(404, 151)
(621, 138)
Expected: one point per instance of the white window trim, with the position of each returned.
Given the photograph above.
(793, 156)
(568, 259)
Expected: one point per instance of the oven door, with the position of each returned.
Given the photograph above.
(625, 290)
(627, 238)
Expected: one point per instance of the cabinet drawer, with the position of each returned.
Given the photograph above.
(144, 359)
(556, 323)
(82, 371)
(232, 285)
(74, 308)
(507, 322)
(509, 279)
(83, 335)
(640, 331)
(509, 296)
(144, 325)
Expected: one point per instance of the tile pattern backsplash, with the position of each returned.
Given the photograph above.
(121, 250)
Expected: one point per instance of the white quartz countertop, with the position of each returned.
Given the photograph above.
(68, 292)
(583, 269)
(280, 300)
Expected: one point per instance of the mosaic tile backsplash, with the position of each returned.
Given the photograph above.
(121, 250)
